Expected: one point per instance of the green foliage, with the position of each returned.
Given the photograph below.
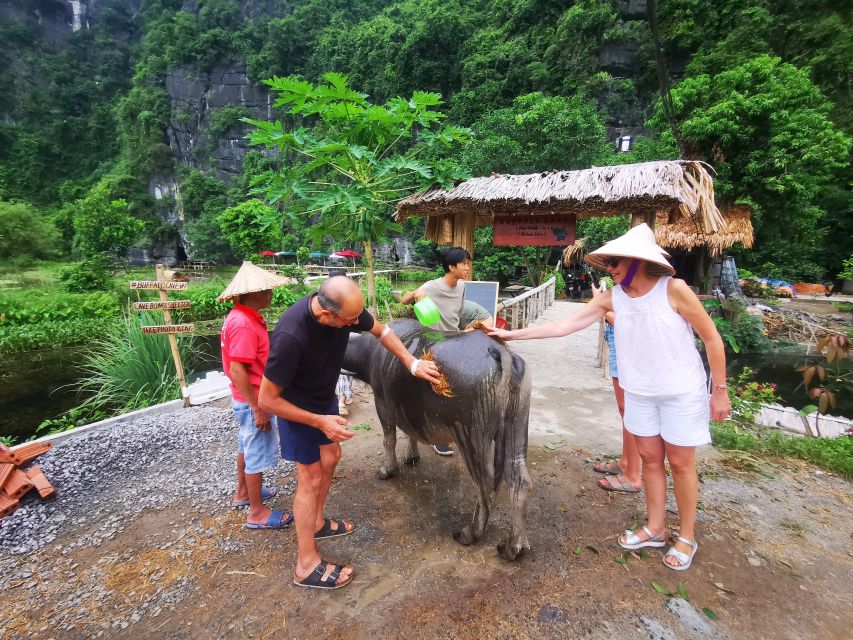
(598, 231)
(352, 159)
(283, 297)
(846, 272)
(30, 307)
(205, 240)
(384, 286)
(494, 263)
(537, 133)
(103, 225)
(739, 330)
(93, 273)
(25, 232)
(225, 118)
(420, 275)
(126, 370)
(747, 396)
(251, 227)
(834, 454)
(50, 335)
(765, 127)
(425, 251)
(204, 305)
(201, 194)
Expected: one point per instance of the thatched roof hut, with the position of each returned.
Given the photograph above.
(687, 233)
(678, 186)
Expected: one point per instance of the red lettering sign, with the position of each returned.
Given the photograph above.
(537, 231)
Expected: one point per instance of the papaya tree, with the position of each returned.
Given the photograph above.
(344, 162)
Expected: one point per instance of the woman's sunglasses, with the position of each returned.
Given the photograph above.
(612, 262)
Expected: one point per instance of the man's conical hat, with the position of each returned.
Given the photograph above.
(251, 278)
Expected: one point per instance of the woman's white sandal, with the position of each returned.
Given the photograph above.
(684, 561)
(633, 541)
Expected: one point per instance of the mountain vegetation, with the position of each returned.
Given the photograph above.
(760, 89)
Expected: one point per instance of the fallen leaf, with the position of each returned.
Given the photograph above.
(661, 589)
(683, 592)
(576, 551)
(709, 613)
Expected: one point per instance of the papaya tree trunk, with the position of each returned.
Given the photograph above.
(371, 278)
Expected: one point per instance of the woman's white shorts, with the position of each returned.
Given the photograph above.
(682, 419)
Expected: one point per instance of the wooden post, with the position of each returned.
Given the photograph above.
(173, 341)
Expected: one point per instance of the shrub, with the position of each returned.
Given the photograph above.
(251, 227)
(23, 232)
(20, 310)
(127, 370)
(93, 273)
(383, 290)
(50, 335)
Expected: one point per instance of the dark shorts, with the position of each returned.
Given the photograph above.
(301, 443)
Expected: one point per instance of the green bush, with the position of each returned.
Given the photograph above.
(383, 290)
(23, 232)
(93, 273)
(204, 305)
(50, 335)
(17, 309)
(126, 370)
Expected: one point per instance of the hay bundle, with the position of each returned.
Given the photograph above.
(443, 386)
(689, 233)
(574, 253)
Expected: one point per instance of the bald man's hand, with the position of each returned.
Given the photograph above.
(427, 370)
(335, 428)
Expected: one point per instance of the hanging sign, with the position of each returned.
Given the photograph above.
(158, 284)
(170, 304)
(535, 231)
(169, 328)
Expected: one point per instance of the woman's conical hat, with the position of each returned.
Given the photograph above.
(638, 242)
(251, 278)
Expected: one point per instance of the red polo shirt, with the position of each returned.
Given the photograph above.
(244, 338)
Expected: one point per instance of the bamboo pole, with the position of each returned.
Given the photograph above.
(173, 341)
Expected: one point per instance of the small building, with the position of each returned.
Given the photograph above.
(696, 254)
(674, 188)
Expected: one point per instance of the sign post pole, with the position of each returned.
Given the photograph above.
(173, 341)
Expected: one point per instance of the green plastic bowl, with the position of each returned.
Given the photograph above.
(427, 311)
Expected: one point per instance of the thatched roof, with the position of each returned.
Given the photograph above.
(676, 186)
(683, 233)
(574, 253)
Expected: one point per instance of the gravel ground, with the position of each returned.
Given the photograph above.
(104, 481)
(127, 467)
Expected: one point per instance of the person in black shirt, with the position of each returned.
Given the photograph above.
(306, 352)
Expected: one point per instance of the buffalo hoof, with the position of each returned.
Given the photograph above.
(384, 473)
(464, 536)
(411, 459)
(513, 551)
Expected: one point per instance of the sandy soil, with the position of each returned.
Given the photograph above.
(774, 561)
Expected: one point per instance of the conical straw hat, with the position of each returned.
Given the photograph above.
(251, 278)
(638, 242)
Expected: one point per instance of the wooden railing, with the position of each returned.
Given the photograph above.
(524, 309)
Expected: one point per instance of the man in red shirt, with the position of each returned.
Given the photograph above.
(245, 349)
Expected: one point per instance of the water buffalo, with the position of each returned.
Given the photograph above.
(486, 417)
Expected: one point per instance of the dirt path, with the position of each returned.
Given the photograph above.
(775, 554)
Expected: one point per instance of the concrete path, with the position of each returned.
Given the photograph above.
(572, 402)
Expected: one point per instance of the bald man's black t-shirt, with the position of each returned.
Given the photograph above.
(306, 356)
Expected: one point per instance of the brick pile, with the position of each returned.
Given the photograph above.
(15, 483)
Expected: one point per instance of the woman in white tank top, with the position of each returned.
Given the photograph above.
(667, 406)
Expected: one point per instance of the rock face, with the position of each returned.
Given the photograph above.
(204, 131)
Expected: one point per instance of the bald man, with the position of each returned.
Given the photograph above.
(306, 352)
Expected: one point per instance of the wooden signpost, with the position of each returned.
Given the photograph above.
(170, 329)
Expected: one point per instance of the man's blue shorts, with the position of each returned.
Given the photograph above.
(259, 448)
(301, 443)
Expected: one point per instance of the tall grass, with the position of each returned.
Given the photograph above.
(126, 370)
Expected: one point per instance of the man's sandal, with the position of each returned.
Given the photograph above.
(611, 467)
(633, 541)
(619, 484)
(314, 580)
(684, 561)
(326, 530)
